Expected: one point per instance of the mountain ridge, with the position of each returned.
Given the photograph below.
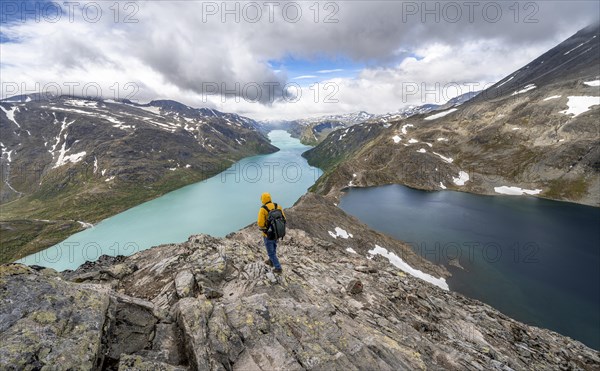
(312, 131)
(212, 304)
(541, 140)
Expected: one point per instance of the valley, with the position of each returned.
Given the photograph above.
(217, 206)
(70, 162)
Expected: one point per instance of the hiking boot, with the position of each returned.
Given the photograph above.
(269, 262)
(277, 270)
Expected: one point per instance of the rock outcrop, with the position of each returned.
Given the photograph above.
(212, 304)
(45, 320)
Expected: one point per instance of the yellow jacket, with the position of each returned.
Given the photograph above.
(265, 198)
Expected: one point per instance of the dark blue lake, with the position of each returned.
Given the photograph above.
(535, 260)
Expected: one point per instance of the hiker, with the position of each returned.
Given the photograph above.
(271, 221)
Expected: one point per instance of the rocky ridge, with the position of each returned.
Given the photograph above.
(212, 304)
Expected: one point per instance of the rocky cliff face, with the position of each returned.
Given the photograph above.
(535, 131)
(212, 304)
(67, 162)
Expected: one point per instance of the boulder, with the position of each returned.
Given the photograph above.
(46, 322)
(365, 269)
(168, 344)
(133, 330)
(139, 363)
(354, 287)
(185, 284)
(211, 293)
(118, 271)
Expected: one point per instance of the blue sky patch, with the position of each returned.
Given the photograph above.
(308, 71)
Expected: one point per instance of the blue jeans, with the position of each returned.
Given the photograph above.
(271, 246)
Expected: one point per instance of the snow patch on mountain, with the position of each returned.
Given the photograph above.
(155, 110)
(396, 261)
(516, 191)
(525, 89)
(552, 97)
(59, 137)
(81, 103)
(580, 104)
(64, 159)
(463, 177)
(344, 119)
(5, 152)
(441, 114)
(578, 46)
(447, 159)
(11, 114)
(124, 127)
(339, 232)
(512, 77)
(85, 225)
(88, 113)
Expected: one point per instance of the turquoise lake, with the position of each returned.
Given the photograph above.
(216, 206)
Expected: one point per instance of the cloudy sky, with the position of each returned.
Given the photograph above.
(278, 59)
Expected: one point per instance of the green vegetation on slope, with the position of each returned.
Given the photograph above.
(37, 221)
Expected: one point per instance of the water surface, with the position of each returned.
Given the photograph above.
(217, 206)
(535, 260)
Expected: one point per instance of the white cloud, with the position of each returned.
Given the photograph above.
(331, 71)
(305, 77)
(171, 52)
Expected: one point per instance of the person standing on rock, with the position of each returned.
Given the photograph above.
(271, 221)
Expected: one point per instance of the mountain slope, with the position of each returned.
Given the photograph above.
(341, 143)
(425, 108)
(312, 131)
(67, 162)
(212, 304)
(536, 130)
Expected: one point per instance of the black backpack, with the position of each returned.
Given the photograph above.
(275, 223)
